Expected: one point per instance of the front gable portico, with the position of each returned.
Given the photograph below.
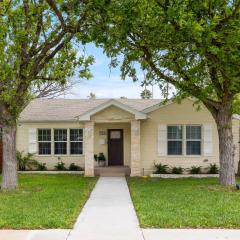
(112, 120)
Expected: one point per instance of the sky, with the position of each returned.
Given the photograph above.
(107, 83)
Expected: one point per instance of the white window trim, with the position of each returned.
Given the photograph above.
(58, 155)
(182, 140)
(192, 140)
(53, 145)
(44, 142)
(76, 141)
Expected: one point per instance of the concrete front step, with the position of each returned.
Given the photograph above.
(112, 174)
(112, 171)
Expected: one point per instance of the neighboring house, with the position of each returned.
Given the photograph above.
(130, 132)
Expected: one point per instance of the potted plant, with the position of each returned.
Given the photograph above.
(101, 159)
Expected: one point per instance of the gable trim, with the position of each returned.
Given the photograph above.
(161, 105)
(112, 102)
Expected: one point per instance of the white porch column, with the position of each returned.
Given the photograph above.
(135, 148)
(89, 148)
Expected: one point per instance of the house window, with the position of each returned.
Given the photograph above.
(44, 141)
(193, 140)
(174, 135)
(76, 141)
(60, 141)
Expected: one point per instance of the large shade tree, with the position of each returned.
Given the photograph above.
(38, 54)
(192, 45)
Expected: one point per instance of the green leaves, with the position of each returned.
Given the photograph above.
(192, 45)
(39, 44)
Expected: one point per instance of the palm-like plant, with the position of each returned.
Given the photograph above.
(25, 161)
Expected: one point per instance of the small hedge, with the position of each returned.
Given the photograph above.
(166, 169)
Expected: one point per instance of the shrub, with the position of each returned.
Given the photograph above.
(60, 166)
(26, 162)
(177, 170)
(213, 169)
(41, 167)
(196, 170)
(74, 167)
(161, 168)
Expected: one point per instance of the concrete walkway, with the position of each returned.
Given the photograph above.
(108, 214)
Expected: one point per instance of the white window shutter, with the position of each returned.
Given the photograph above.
(162, 140)
(32, 140)
(207, 141)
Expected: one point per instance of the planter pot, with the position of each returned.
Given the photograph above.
(101, 163)
(183, 175)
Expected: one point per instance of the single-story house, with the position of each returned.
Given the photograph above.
(135, 133)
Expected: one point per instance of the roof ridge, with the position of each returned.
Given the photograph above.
(97, 99)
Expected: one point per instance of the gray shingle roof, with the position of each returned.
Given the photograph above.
(67, 109)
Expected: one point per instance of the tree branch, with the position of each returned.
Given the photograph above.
(32, 50)
(234, 14)
(24, 44)
(51, 89)
(53, 6)
(46, 47)
(52, 54)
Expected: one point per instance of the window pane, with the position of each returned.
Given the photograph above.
(60, 148)
(115, 134)
(76, 147)
(193, 147)
(193, 132)
(76, 134)
(44, 134)
(60, 134)
(174, 147)
(44, 148)
(174, 132)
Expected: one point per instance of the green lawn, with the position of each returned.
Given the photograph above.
(185, 203)
(44, 201)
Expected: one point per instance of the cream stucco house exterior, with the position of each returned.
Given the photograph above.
(130, 132)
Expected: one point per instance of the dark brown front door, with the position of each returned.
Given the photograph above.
(115, 147)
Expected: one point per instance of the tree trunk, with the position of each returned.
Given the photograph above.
(9, 172)
(238, 171)
(223, 119)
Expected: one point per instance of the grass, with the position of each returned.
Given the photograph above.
(44, 201)
(185, 203)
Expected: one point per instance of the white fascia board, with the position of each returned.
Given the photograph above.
(161, 105)
(87, 115)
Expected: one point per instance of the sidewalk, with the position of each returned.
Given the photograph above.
(191, 234)
(51, 234)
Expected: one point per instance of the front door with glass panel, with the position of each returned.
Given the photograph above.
(115, 147)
